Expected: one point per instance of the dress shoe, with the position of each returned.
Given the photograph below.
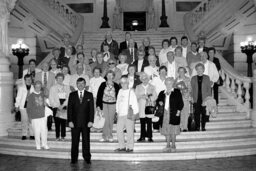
(141, 140)
(185, 130)
(73, 162)
(129, 150)
(88, 161)
(150, 140)
(111, 140)
(32, 137)
(46, 147)
(23, 137)
(203, 129)
(120, 150)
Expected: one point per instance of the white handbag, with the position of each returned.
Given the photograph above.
(99, 120)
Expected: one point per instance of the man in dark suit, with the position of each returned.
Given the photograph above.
(80, 119)
(201, 46)
(125, 44)
(131, 52)
(141, 62)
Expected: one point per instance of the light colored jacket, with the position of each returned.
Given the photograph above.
(140, 91)
(22, 96)
(54, 98)
(50, 80)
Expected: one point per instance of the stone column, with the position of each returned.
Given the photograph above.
(163, 18)
(105, 16)
(6, 77)
(253, 113)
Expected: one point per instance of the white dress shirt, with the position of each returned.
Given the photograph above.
(140, 62)
(184, 51)
(171, 69)
(123, 68)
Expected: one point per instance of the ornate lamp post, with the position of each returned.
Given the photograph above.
(249, 48)
(20, 50)
(105, 16)
(163, 18)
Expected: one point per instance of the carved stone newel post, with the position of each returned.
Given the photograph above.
(6, 77)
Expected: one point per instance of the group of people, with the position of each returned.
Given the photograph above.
(123, 81)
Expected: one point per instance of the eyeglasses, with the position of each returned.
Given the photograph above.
(111, 63)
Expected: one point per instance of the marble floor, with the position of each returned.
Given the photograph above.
(19, 163)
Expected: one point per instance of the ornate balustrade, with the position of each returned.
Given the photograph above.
(236, 86)
(64, 11)
(202, 9)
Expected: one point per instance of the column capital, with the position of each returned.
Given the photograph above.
(6, 7)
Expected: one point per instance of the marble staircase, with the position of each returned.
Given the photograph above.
(229, 134)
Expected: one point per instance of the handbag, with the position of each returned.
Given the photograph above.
(150, 108)
(130, 115)
(159, 111)
(220, 81)
(99, 120)
(191, 119)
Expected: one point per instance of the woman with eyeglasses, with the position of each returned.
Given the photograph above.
(106, 102)
(112, 67)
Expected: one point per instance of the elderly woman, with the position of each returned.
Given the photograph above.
(173, 43)
(58, 98)
(123, 65)
(53, 66)
(85, 62)
(152, 51)
(181, 60)
(163, 51)
(182, 82)
(112, 67)
(100, 62)
(171, 99)
(201, 86)
(146, 94)
(106, 101)
(152, 69)
(133, 79)
(65, 72)
(92, 58)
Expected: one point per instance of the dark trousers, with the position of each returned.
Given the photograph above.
(50, 118)
(145, 131)
(216, 92)
(75, 134)
(200, 114)
(158, 124)
(60, 126)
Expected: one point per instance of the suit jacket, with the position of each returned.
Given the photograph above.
(217, 63)
(22, 96)
(123, 46)
(206, 87)
(129, 55)
(205, 49)
(145, 63)
(175, 104)
(50, 80)
(80, 113)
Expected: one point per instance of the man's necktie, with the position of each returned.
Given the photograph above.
(132, 54)
(45, 79)
(81, 97)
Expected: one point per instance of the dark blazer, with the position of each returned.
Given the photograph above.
(206, 87)
(175, 104)
(113, 47)
(99, 101)
(217, 63)
(145, 63)
(136, 81)
(123, 46)
(80, 113)
(129, 55)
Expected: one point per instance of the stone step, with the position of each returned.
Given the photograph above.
(184, 136)
(190, 144)
(213, 124)
(186, 154)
